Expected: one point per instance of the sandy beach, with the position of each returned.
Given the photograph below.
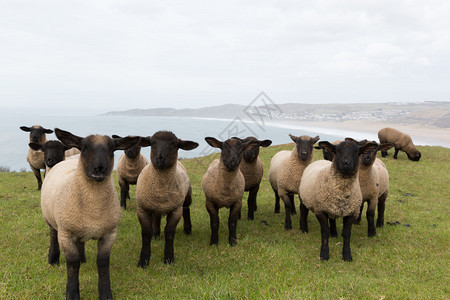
(420, 134)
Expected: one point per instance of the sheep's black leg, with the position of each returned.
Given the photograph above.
(70, 249)
(287, 208)
(82, 252)
(303, 217)
(358, 219)
(333, 230)
(37, 174)
(169, 233)
(293, 209)
(325, 235)
(232, 222)
(396, 152)
(103, 257)
(214, 221)
(146, 221)
(53, 251)
(124, 193)
(156, 224)
(252, 202)
(384, 153)
(277, 202)
(381, 207)
(370, 215)
(187, 225)
(346, 233)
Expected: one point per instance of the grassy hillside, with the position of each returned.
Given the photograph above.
(407, 260)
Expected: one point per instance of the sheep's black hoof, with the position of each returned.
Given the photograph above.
(215, 243)
(380, 223)
(187, 231)
(357, 221)
(233, 242)
(347, 256)
(304, 228)
(143, 262)
(277, 211)
(333, 234)
(287, 226)
(371, 233)
(324, 253)
(53, 261)
(169, 260)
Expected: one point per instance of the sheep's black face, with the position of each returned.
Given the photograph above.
(415, 157)
(133, 152)
(231, 155)
(251, 154)
(53, 153)
(347, 158)
(37, 133)
(368, 158)
(97, 155)
(305, 146)
(164, 151)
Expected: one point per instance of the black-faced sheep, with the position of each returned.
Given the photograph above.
(328, 155)
(130, 165)
(54, 152)
(79, 202)
(36, 158)
(224, 184)
(331, 190)
(163, 188)
(285, 173)
(401, 141)
(252, 169)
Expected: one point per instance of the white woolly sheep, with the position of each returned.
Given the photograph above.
(401, 141)
(331, 190)
(79, 202)
(163, 188)
(285, 173)
(130, 165)
(36, 158)
(252, 169)
(224, 184)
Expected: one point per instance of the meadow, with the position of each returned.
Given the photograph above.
(407, 259)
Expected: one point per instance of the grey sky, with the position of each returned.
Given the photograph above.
(113, 55)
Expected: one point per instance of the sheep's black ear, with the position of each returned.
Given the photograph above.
(317, 147)
(293, 137)
(126, 142)
(115, 136)
(145, 141)
(48, 131)
(327, 146)
(187, 145)
(315, 139)
(25, 128)
(368, 148)
(68, 138)
(265, 143)
(35, 146)
(213, 142)
(385, 147)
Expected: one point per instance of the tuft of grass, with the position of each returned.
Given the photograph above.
(404, 261)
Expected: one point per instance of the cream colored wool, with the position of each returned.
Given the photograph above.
(253, 172)
(128, 169)
(71, 152)
(399, 139)
(323, 190)
(374, 182)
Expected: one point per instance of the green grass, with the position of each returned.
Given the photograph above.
(269, 262)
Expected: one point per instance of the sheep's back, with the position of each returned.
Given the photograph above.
(399, 139)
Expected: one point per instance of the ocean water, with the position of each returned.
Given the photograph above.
(14, 148)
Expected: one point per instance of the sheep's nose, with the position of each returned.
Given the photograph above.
(99, 169)
(346, 162)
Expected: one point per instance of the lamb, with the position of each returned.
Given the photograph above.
(79, 202)
(285, 173)
(374, 183)
(36, 158)
(223, 185)
(163, 188)
(401, 141)
(329, 155)
(331, 190)
(252, 169)
(130, 165)
(54, 152)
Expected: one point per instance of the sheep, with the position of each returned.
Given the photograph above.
(374, 183)
(328, 155)
(79, 202)
(401, 141)
(223, 185)
(163, 188)
(252, 169)
(36, 158)
(54, 152)
(130, 165)
(285, 173)
(331, 190)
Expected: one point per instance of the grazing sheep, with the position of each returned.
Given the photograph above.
(252, 169)
(36, 158)
(54, 152)
(163, 188)
(130, 165)
(79, 203)
(328, 155)
(374, 183)
(285, 173)
(331, 190)
(224, 184)
(401, 141)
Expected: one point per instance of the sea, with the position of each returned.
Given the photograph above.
(14, 148)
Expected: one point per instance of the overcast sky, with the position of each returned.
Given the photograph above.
(114, 55)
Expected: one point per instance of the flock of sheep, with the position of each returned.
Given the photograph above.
(79, 199)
